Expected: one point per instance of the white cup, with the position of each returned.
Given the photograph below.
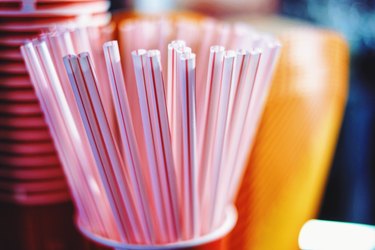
(213, 240)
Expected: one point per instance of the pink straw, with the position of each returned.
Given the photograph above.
(218, 145)
(206, 123)
(62, 137)
(139, 60)
(189, 186)
(162, 140)
(123, 209)
(129, 143)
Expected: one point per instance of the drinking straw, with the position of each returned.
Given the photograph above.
(81, 40)
(78, 141)
(84, 40)
(175, 49)
(124, 120)
(261, 85)
(41, 75)
(128, 43)
(189, 181)
(60, 44)
(240, 107)
(97, 36)
(121, 173)
(207, 121)
(161, 137)
(165, 35)
(171, 80)
(266, 67)
(242, 60)
(218, 144)
(119, 197)
(34, 67)
(203, 55)
(139, 61)
(239, 96)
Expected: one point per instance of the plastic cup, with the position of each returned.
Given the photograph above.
(57, 9)
(24, 135)
(291, 158)
(214, 240)
(39, 227)
(14, 82)
(26, 148)
(17, 108)
(17, 95)
(29, 161)
(22, 198)
(51, 172)
(17, 186)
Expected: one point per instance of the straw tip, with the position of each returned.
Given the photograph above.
(84, 54)
(40, 44)
(69, 57)
(256, 51)
(183, 50)
(28, 45)
(230, 54)
(84, 61)
(153, 53)
(242, 52)
(111, 50)
(69, 61)
(139, 52)
(177, 43)
(217, 48)
(109, 44)
(187, 56)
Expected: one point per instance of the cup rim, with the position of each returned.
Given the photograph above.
(220, 232)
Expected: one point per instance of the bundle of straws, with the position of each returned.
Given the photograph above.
(160, 158)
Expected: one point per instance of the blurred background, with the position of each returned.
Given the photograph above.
(324, 88)
(350, 194)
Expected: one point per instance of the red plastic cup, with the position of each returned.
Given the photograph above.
(42, 198)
